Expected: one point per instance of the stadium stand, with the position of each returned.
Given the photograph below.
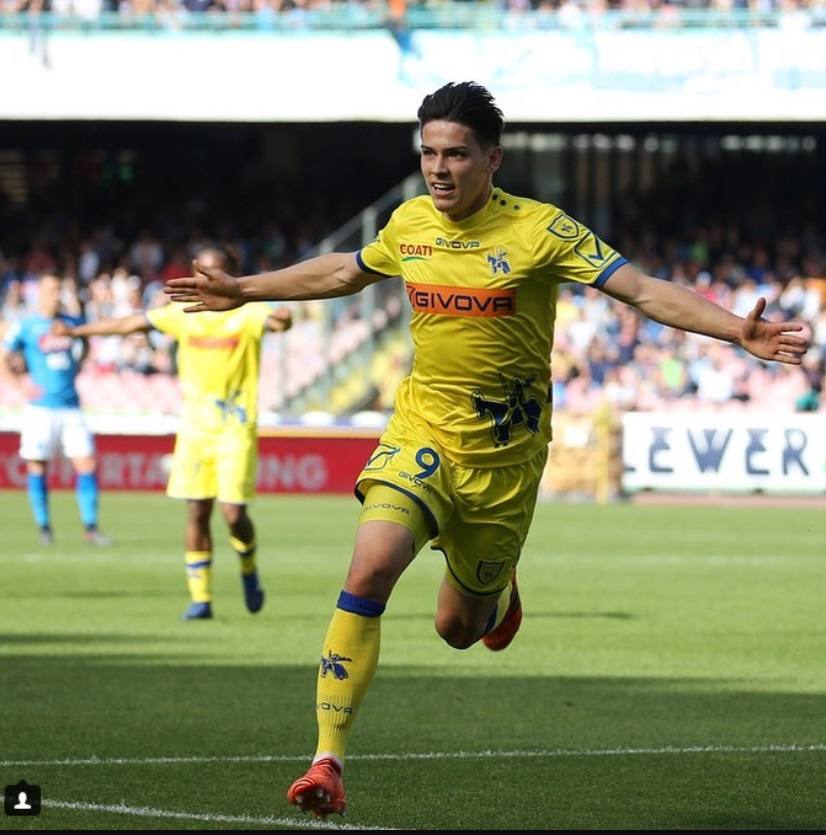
(731, 223)
(363, 12)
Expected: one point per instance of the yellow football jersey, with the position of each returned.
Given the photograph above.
(483, 296)
(218, 361)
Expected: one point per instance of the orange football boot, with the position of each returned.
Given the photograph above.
(320, 790)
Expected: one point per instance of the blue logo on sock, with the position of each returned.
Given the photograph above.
(332, 664)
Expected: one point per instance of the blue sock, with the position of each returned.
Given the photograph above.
(86, 489)
(38, 492)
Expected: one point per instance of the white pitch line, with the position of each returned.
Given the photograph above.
(148, 812)
(788, 748)
(718, 560)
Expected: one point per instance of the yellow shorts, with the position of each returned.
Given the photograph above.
(214, 464)
(479, 516)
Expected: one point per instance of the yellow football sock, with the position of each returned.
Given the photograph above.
(349, 659)
(199, 575)
(246, 554)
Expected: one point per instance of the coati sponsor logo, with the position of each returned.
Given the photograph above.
(415, 251)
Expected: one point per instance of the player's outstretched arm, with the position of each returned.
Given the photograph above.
(119, 326)
(679, 307)
(325, 277)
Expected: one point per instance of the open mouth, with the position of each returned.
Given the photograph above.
(442, 188)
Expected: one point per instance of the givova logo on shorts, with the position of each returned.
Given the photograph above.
(429, 460)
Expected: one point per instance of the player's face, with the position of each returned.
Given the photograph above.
(211, 259)
(456, 169)
(48, 295)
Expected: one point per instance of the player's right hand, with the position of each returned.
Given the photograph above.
(206, 289)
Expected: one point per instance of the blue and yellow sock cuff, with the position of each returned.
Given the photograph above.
(359, 605)
(198, 559)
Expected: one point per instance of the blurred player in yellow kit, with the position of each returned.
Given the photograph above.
(460, 461)
(216, 449)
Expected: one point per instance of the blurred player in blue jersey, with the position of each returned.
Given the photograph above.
(460, 462)
(53, 420)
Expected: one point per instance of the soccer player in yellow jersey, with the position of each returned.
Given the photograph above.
(460, 461)
(217, 444)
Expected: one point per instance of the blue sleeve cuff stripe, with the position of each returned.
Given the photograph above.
(203, 564)
(609, 271)
(364, 266)
(359, 605)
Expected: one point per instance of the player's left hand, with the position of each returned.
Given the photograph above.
(773, 340)
(280, 320)
(60, 328)
(206, 289)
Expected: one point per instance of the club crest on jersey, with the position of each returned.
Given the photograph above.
(498, 262)
(332, 664)
(487, 571)
(230, 407)
(564, 227)
(514, 411)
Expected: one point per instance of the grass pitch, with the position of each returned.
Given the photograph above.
(669, 674)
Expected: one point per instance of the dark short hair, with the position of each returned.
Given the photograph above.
(230, 262)
(468, 103)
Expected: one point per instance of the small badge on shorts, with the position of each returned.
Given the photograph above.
(381, 456)
(487, 572)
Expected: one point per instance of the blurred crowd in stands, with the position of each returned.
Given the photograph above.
(730, 234)
(90, 9)
(603, 351)
(105, 276)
